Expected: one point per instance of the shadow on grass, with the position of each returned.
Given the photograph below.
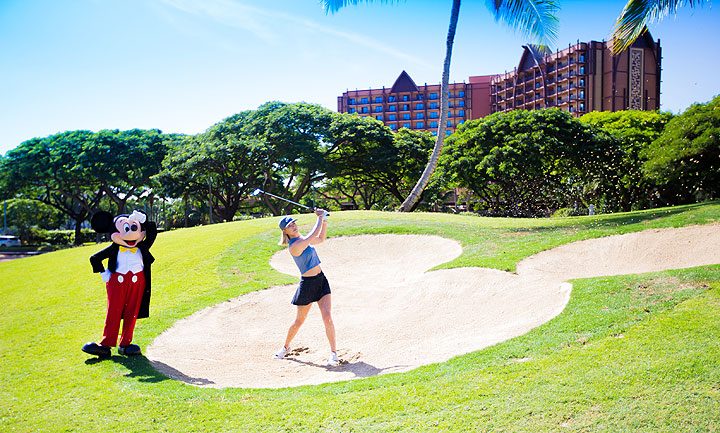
(613, 220)
(358, 368)
(142, 370)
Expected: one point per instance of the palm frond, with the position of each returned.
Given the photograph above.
(536, 18)
(332, 6)
(637, 14)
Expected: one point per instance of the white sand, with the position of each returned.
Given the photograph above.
(391, 315)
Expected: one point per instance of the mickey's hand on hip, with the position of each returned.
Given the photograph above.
(105, 275)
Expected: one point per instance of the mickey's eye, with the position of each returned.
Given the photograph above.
(134, 227)
(126, 227)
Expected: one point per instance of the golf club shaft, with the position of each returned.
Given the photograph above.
(289, 201)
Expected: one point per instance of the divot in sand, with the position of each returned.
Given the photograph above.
(391, 315)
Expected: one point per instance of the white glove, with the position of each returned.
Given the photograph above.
(137, 216)
(326, 215)
(105, 275)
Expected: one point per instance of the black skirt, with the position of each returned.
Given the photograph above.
(311, 289)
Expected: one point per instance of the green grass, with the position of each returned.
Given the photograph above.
(629, 353)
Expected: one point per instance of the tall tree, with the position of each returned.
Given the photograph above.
(123, 162)
(47, 170)
(686, 156)
(633, 130)
(526, 163)
(638, 13)
(533, 17)
(221, 165)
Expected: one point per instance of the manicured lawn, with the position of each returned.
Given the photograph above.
(629, 353)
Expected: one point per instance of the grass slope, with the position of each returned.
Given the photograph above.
(629, 353)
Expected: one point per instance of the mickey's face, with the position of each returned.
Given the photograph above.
(129, 233)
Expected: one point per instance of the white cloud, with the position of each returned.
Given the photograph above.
(268, 25)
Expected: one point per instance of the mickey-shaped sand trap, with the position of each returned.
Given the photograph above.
(391, 315)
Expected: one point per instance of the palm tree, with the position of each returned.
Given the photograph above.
(638, 13)
(533, 17)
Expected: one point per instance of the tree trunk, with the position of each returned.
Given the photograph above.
(412, 200)
(78, 230)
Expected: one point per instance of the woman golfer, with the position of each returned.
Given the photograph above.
(314, 287)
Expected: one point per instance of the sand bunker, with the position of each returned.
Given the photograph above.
(391, 315)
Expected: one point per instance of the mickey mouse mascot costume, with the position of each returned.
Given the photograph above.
(127, 278)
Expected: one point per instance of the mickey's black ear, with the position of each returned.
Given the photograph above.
(102, 222)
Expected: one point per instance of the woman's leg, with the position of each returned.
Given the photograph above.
(325, 304)
(302, 312)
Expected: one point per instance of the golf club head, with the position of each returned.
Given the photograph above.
(256, 192)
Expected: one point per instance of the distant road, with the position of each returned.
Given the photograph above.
(6, 256)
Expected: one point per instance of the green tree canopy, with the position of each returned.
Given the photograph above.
(123, 162)
(525, 163)
(686, 157)
(222, 165)
(48, 170)
(633, 131)
(382, 172)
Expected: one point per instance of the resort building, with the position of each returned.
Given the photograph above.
(407, 105)
(578, 79)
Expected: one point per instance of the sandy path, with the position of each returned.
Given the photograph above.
(392, 316)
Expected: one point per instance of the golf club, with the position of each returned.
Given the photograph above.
(258, 191)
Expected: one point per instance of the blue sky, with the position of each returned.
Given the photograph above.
(184, 65)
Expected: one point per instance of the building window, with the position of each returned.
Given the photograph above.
(433, 105)
(380, 118)
(405, 107)
(434, 115)
(433, 124)
(461, 103)
(364, 100)
(351, 110)
(391, 117)
(419, 106)
(461, 94)
(419, 115)
(460, 122)
(392, 108)
(406, 116)
(419, 125)
(392, 126)
(570, 108)
(448, 132)
(391, 99)
(582, 69)
(406, 98)
(419, 97)
(434, 133)
(461, 113)
(378, 109)
(406, 125)
(433, 96)
(449, 94)
(378, 99)
(365, 110)
(351, 101)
